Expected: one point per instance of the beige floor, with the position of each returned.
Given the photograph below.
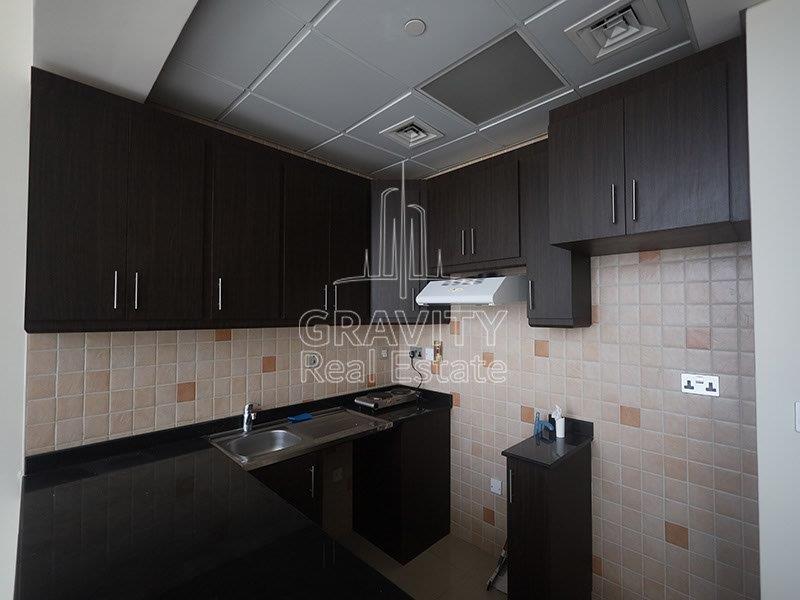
(450, 569)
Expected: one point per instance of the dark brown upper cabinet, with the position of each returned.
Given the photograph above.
(473, 216)
(656, 162)
(79, 155)
(306, 240)
(350, 242)
(247, 246)
(559, 284)
(166, 208)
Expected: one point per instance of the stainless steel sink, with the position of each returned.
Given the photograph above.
(277, 441)
(260, 442)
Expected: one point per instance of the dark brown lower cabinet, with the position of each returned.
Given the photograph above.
(550, 529)
(298, 481)
(401, 485)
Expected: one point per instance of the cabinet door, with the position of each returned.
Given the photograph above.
(448, 219)
(247, 203)
(587, 175)
(494, 210)
(350, 240)
(306, 240)
(298, 481)
(676, 152)
(166, 219)
(559, 292)
(527, 538)
(76, 204)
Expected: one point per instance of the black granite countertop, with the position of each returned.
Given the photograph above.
(547, 450)
(177, 519)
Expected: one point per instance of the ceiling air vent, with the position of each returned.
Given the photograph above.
(620, 25)
(411, 133)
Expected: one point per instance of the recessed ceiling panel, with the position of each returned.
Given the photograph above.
(322, 82)
(550, 26)
(235, 40)
(451, 126)
(353, 154)
(189, 90)
(500, 78)
(374, 29)
(463, 150)
(526, 125)
(265, 119)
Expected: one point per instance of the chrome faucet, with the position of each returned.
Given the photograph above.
(249, 415)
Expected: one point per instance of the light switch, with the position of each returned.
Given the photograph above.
(496, 486)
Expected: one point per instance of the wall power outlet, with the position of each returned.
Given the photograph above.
(703, 385)
(415, 351)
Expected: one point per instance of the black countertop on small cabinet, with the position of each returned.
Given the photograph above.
(177, 519)
(548, 450)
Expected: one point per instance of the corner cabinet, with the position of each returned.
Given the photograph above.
(559, 281)
(656, 162)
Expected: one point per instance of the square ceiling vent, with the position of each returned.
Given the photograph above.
(620, 25)
(411, 132)
(499, 78)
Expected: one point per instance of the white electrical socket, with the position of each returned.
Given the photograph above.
(428, 352)
(703, 385)
(311, 360)
(496, 486)
(384, 353)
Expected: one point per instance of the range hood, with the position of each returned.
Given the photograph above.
(488, 291)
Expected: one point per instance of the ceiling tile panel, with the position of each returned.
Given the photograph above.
(414, 170)
(265, 119)
(548, 30)
(184, 88)
(354, 154)
(463, 150)
(523, 9)
(324, 83)
(235, 40)
(451, 126)
(527, 125)
(373, 29)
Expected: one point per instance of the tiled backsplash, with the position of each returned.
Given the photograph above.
(674, 475)
(88, 387)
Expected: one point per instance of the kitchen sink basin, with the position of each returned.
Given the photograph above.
(277, 441)
(261, 442)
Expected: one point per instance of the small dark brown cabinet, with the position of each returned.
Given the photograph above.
(298, 481)
(401, 485)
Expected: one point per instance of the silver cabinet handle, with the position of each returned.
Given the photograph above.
(219, 293)
(635, 201)
(136, 291)
(313, 470)
(613, 204)
(116, 277)
(325, 296)
(472, 239)
(335, 297)
(510, 486)
(530, 294)
(462, 242)
(413, 295)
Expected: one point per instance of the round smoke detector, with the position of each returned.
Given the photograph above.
(415, 27)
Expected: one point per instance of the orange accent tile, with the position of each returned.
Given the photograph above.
(650, 256)
(371, 380)
(628, 415)
(267, 364)
(698, 338)
(488, 516)
(526, 414)
(488, 359)
(597, 565)
(595, 313)
(677, 535)
(456, 398)
(222, 335)
(541, 348)
(434, 368)
(455, 327)
(187, 391)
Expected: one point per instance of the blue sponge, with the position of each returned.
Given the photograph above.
(300, 418)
